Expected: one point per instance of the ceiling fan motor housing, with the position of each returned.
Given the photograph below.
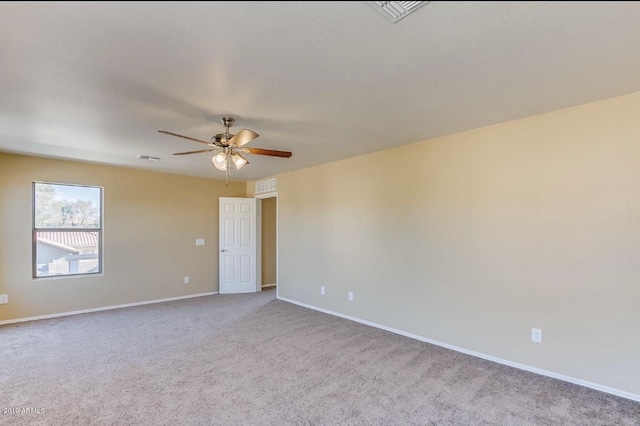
(221, 139)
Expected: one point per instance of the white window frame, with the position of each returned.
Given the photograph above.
(35, 230)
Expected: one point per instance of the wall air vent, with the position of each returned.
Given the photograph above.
(396, 10)
(148, 157)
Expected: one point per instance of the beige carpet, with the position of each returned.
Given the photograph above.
(254, 360)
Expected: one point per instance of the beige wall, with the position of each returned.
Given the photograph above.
(269, 241)
(151, 221)
(472, 239)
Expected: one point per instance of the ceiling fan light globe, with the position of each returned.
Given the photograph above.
(220, 161)
(238, 160)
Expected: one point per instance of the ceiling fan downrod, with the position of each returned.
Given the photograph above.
(227, 122)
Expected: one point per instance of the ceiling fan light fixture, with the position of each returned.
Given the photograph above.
(238, 160)
(220, 161)
(228, 147)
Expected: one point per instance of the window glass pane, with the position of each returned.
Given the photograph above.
(66, 206)
(67, 253)
(67, 229)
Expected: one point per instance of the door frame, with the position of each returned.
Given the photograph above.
(259, 198)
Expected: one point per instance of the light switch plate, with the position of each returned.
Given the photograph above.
(536, 335)
(200, 242)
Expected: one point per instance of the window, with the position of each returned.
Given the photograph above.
(67, 230)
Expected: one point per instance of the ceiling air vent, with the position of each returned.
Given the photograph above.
(396, 10)
(147, 157)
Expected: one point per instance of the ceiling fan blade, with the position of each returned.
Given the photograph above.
(186, 137)
(195, 152)
(244, 136)
(271, 152)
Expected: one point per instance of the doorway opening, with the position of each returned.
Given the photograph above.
(269, 249)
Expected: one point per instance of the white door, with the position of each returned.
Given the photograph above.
(238, 248)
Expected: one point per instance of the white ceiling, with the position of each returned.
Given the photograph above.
(95, 81)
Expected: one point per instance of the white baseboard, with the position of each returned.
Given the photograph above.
(105, 308)
(607, 389)
(268, 285)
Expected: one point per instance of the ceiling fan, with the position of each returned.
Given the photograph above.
(229, 148)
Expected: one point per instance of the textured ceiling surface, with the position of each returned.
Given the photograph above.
(95, 81)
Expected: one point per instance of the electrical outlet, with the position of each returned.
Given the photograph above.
(536, 335)
(186, 280)
(322, 290)
(4, 298)
(200, 242)
(351, 296)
